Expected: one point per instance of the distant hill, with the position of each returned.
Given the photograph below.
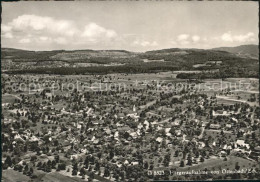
(247, 51)
(22, 55)
(243, 51)
(114, 61)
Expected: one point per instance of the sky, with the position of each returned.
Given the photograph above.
(129, 25)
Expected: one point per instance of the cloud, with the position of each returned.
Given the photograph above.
(154, 43)
(184, 42)
(43, 38)
(228, 37)
(60, 40)
(42, 24)
(44, 29)
(145, 43)
(24, 41)
(5, 28)
(6, 31)
(205, 39)
(245, 38)
(189, 40)
(8, 35)
(183, 37)
(31, 22)
(94, 31)
(195, 38)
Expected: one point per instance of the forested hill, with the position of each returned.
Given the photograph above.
(111, 61)
(250, 51)
(18, 54)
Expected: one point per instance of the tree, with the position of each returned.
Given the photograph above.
(184, 154)
(228, 152)
(86, 162)
(74, 172)
(82, 172)
(97, 167)
(122, 175)
(201, 159)
(253, 135)
(8, 161)
(44, 166)
(182, 164)
(189, 162)
(49, 163)
(11, 147)
(61, 166)
(39, 165)
(91, 176)
(30, 172)
(57, 158)
(111, 155)
(151, 167)
(237, 167)
(167, 159)
(26, 168)
(25, 148)
(146, 165)
(48, 169)
(106, 173)
(18, 167)
(53, 164)
(176, 154)
(222, 132)
(75, 169)
(5, 148)
(197, 154)
(33, 158)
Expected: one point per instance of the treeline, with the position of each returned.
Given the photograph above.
(222, 73)
(145, 68)
(107, 60)
(193, 57)
(17, 54)
(96, 60)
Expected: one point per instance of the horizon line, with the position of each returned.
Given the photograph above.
(123, 49)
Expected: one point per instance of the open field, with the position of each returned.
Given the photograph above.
(14, 176)
(8, 98)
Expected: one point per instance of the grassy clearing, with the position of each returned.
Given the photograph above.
(8, 98)
(11, 175)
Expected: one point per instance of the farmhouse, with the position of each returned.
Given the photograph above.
(215, 126)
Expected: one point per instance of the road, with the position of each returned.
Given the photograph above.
(202, 132)
(16, 96)
(227, 98)
(148, 104)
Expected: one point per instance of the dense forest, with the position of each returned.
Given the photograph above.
(227, 72)
(144, 68)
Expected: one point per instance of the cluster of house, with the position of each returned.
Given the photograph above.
(127, 134)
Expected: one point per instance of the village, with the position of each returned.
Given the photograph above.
(126, 133)
(129, 91)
